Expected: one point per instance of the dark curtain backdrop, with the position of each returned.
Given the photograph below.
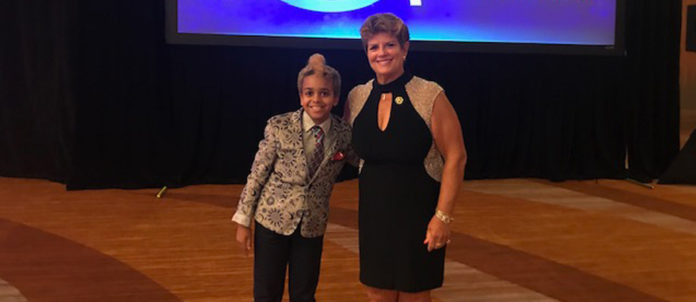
(92, 96)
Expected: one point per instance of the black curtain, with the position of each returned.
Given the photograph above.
(37, 105)
(652, 86)
(92, 96)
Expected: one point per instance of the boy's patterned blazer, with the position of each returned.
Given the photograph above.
(279, 192)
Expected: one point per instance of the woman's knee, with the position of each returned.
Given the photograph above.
(423, 296)
(381, 295)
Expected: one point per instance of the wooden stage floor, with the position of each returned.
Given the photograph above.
(514, 240)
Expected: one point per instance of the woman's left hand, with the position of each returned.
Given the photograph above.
(437, 235)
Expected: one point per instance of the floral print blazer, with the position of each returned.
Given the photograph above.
(279, 192)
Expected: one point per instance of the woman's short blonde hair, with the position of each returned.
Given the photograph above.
(317, 65)
(384, 23)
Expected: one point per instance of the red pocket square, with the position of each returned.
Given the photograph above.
(338, 156)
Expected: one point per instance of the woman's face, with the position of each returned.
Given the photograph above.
(386, 56)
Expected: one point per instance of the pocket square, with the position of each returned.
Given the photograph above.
(338, 156)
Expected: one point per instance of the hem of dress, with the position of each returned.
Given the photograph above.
(395, 288)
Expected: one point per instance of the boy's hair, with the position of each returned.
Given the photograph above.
(317, 65)
(387, 23)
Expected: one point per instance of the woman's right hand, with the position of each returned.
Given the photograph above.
(244, 239)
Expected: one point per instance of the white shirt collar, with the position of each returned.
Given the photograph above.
(308, 123)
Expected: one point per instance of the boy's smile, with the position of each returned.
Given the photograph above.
(317, 97)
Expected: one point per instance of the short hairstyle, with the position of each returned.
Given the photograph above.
(384, 23)
(317, 65)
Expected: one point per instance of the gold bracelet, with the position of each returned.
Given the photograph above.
(447, 219)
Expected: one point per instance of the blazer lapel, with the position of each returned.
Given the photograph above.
(296, 139)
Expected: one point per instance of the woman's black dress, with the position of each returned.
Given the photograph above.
(397, 197)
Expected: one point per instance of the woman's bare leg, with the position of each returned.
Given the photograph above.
(423, 296)
(381, 295)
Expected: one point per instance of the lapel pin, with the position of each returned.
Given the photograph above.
(399, 100)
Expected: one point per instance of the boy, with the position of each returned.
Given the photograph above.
(288, 190)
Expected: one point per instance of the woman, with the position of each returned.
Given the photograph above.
(409, 138)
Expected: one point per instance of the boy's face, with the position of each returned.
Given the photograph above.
(317, 97)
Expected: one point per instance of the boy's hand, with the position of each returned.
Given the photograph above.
(244, 238)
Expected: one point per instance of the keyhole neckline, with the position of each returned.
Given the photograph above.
(394, 85)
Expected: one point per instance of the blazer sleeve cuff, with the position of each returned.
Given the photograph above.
(241, 219)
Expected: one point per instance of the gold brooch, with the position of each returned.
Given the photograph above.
(399, 100)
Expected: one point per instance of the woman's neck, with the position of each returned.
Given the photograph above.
(386, 79)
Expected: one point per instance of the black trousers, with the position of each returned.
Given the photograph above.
(274, 253)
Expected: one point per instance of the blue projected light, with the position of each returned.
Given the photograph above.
(571, 22)
(334, 6)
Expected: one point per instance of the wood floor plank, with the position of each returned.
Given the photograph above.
(624, 244)
(9, 293)
(184, 242)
